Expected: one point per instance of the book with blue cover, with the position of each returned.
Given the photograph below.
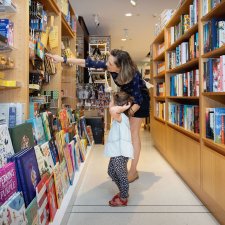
(38, 130)
(45, 121)
(28, 173)
(218, 113)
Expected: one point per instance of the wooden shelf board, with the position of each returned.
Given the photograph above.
(159, 38)
(220, 148)
(213, 93)
(66, 29)
(160, 57)
(184, 8)
(50, 5)
(216, 12)
(215, 53)
(160, 98)
(160, 75)
(8, 8)
(184, 131)
(160, 120)
(184, 67)
(183, 97)
(184, 37)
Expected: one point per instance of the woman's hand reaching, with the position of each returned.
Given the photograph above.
(55, 58)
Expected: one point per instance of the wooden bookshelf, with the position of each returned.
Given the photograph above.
(66, 29)
(196, 158)
(215, 53)
(182, 10)
(184, 131)
(184, 97)
(160, 120)
(160, 57)
(216, 12)
(50, 6)
(160, 75)
(160, 98)
(184, 37)
(184, 67)
(220, 148)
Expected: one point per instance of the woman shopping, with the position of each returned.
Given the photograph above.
(126, 76)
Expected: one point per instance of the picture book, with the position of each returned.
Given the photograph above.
(58, 178)
(64, 176)
(8, 182)
(69, 164)
(29, 173)
(43, 163)
(51, 196)
(42, 201)
(54, 151)
(22, 136)
(72, 154)
(77, 153)
(32, 212)
(48, 156)
(13, 211)
(45, 121)
(6, 148)
(38, 130)
(59, 145)
(81, 149)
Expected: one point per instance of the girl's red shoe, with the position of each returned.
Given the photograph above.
(117, 201)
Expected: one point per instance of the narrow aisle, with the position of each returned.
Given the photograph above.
(158, 197)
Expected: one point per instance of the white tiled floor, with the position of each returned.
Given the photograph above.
(158, 197)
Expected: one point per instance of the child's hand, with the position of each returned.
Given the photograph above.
(119, 109)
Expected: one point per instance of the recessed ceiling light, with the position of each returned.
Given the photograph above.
(123, 39)
(133, 2)
(128, 14)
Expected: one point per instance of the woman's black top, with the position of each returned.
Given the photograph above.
(136, 87)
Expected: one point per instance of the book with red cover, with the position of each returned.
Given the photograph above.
(51, 196)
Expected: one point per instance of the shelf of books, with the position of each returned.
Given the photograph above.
(193, 101)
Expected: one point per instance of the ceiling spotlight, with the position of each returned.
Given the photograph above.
(128, 14)
(133, 2)
(123, 39)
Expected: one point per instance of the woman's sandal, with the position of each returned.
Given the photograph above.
(117, 201)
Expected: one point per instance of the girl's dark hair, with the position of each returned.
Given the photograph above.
(122, 98)
(126, 65)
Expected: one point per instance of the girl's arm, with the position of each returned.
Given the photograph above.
(115, 111)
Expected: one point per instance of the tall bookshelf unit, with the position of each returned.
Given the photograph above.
(65, 76)
(197, 159)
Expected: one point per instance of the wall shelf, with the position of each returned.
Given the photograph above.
(160, 120)
(220, 148)
(215, 53)
(184, 37)
(50, 5)
(182, 68)
(66, 29)
(184, 131)
(216, 12)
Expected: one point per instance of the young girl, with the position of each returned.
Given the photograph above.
(119, 147)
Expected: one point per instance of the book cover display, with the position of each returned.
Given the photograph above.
(31, 213)
(8, 182)
(69, 163)
(28, 173)
(42, 201)
(6, 148)
(64, 177)
(47, 156)
(45, 121)
(22, 136)
(13, 211)
(58, 184)
(51, 196)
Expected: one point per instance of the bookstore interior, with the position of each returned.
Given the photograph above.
(52, 115)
